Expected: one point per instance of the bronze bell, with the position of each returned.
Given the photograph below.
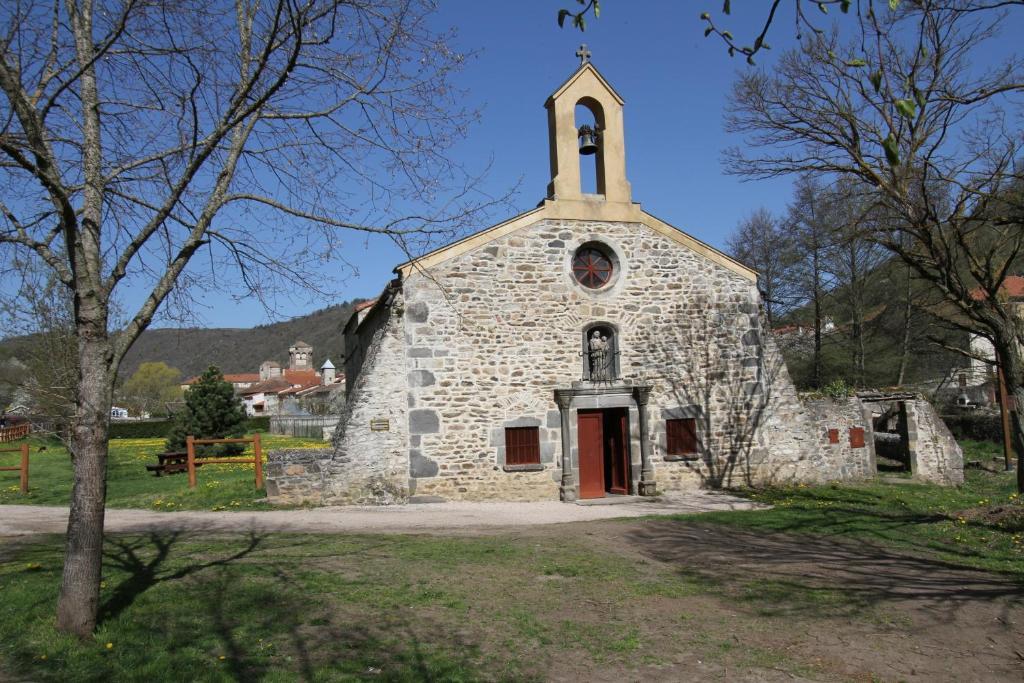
(588, 140)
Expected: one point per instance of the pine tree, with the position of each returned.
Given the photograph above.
(212, 411)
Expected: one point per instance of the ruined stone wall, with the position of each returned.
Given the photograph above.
(487, 354)
(935, 453)
(843, 460)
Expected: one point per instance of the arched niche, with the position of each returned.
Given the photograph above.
(600, 352)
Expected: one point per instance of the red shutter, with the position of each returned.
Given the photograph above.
(833, 436)
(522, 446)
(682, 436)
(856, 437)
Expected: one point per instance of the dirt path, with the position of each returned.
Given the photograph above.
(20, 520)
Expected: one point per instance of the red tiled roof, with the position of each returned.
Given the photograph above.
(305, 377)
(271, 386)
(1012, 288)
(365, 304)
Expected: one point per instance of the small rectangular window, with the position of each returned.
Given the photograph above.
(522, 445)
(682, 436)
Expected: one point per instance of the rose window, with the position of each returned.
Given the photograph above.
(592, 268)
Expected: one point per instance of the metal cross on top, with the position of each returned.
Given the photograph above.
(583, 53)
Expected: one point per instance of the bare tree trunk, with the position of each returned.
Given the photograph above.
(78, 603)
(905, 350)
(816, 376)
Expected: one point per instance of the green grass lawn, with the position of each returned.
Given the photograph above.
(282, 607)
(277, 607)
(979, 524)
(130, 485)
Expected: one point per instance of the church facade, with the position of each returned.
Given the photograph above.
(579, 350)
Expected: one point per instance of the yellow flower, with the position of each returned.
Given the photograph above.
(110, 646)
(222, 658)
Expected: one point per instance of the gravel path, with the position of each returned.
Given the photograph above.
(20, 520)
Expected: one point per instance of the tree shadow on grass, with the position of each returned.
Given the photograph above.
(813, 574)
(241, 606)
(143, 557)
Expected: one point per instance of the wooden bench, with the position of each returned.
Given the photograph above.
(170, 463)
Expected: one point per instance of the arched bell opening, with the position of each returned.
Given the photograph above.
(590, 130)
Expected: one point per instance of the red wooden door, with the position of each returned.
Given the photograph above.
(615, 431)
(590, 437)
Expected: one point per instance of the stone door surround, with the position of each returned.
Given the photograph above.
(596, 395)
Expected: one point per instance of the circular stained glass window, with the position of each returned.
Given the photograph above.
(591, 267)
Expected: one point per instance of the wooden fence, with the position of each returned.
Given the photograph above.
(304, 426)
(256, 460)
(22, 468)
(15, 432)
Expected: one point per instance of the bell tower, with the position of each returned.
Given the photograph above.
(572, 141)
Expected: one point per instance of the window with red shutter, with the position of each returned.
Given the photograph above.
(522, 446)
(682, 436)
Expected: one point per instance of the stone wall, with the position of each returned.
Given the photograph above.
(296, 476)
(934, 452)
(488, 352)
(842, 457)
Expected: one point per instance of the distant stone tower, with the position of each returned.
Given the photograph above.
(300, 356)
(269, 369)
(327, 372)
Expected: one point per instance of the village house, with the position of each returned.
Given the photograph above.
(580, 350)
(975, 384)
(297, 389)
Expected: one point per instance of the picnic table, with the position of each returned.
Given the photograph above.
(171, 463)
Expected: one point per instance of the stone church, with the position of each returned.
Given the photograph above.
(579, 350)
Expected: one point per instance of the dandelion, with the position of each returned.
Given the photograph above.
(222, 658)
(109, 646)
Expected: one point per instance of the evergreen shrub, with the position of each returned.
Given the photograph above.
(211, 411)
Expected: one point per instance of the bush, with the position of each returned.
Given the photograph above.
(159, 429)
(257, 424)
(211, 411)
(141, 429)
(975, 426)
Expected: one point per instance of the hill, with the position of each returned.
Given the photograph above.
(192, 350)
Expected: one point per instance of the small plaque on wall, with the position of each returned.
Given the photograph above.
(380, 424)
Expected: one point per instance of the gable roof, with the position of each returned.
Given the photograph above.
(574, 210)
(576, 75)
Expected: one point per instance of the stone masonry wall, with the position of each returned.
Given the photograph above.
(841, 461)
(369, 462)
(488, 353)
(937, 455)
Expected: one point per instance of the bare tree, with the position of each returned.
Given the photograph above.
(910, 115)
(854, 260)
(810, 222)
(759, 242)
(39, 312)
(138, 136)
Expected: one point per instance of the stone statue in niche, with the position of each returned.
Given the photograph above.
(600, 357)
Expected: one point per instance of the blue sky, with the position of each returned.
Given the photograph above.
(675, 84)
